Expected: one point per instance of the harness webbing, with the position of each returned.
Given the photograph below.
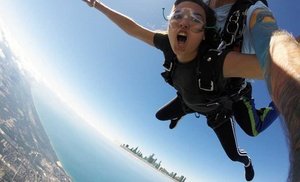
(232, 34)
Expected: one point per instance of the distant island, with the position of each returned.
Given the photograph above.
(152, 162)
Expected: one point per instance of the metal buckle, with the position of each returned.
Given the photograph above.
(170, 67)
(213, 104)
(233, 20)
(205, 89)
(222, 46)
(237, 26)
(236, 15)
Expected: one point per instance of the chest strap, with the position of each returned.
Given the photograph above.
(169, 66)
(210, 71)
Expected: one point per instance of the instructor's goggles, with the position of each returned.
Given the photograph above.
(195, 20)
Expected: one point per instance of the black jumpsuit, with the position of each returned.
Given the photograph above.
(190, 100)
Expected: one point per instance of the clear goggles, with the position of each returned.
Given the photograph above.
(195, 20)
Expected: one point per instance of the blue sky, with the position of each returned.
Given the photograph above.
(113, 80)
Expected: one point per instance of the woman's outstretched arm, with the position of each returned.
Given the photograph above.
(124, 22)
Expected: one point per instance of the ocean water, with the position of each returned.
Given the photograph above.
(86, 156)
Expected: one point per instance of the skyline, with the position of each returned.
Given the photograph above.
(88, 61)
(153, 162)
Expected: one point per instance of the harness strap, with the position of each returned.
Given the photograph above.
(232, 34)
(210, 71)
(169, 66)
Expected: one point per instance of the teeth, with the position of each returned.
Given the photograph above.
(182, 37)
(182, 34)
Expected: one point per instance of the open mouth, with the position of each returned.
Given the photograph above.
(181, 38)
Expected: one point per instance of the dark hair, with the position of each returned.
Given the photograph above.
(211, 34)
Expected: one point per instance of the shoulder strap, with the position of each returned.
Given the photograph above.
(169, 58)
(210, 71)
(169, 66)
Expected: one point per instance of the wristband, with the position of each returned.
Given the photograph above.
(94, 3)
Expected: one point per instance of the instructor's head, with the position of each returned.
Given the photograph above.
(187, 23)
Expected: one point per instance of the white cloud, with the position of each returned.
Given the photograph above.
(2, 55)
(1, 35)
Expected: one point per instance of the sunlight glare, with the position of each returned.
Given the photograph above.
(20, 53)
(27, 63)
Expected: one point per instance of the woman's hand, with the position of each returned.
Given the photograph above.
(91, 3)
(298, 39)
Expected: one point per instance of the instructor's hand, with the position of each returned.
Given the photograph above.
(91, 3)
